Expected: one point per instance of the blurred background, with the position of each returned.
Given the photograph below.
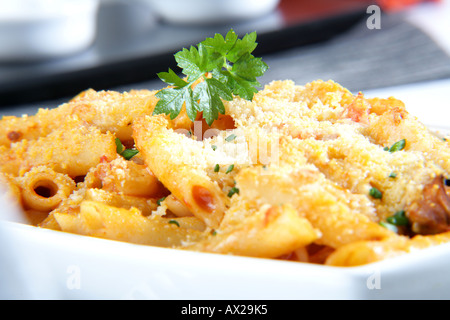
(50, 50)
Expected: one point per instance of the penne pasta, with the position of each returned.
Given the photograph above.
(176, 162)
(43, 189)
(313, 173)
(107, 110)
(269, 232)
(71, 149)
(101, 220)
(364, 252)
(127, 178)
(323, 204)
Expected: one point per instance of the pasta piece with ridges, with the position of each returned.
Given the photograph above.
(177, 162)
(101, 220)
(269, 232)
(71, 149)
(315, 198)
(364, 252)
(43, 189)
(107, 110)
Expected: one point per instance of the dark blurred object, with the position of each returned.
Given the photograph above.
(397, 5)
(294, 11)
(132, 47)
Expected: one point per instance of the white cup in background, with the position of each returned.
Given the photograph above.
(40, 29)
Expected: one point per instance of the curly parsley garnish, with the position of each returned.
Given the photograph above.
(226, 67)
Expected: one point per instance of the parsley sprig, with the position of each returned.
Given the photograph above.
(127, 154)
(226, 66)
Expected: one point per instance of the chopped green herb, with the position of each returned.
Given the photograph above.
(231, 137)
(216, 168)
(160, 200)
(230, 168)
(399, 145)
(375, 193)
(227, 68)
(393, 175)
(214, 147)
(233, 191)
(398, 219)
(174, 222)
(127, 154)
(119, 146)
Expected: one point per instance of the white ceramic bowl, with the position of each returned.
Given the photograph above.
(39, 29)
(211, 11)
(45, 264)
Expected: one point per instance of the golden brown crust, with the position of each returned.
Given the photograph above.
(304, 173)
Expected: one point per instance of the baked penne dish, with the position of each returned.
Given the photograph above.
(309, 173)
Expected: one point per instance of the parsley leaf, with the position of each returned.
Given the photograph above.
(230, 168)
(119, 146)
(209, 93)
(127, 154)
(398, 219)
(231, 137)
(375, 193)
(175, 222)
(172, 79)
(226, 66)
(159, 201)
(399, 145)
(233, 191)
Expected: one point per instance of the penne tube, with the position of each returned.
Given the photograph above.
(176, 207)
(364, 252)
(127, 178)
(109, 111)
(113, 111)
(71, 149)
(144, 205)
(101, 220)
(322, 203)
(177, 161)
(396, 124)
(269, 232)
(44, 189)
(31, 127)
